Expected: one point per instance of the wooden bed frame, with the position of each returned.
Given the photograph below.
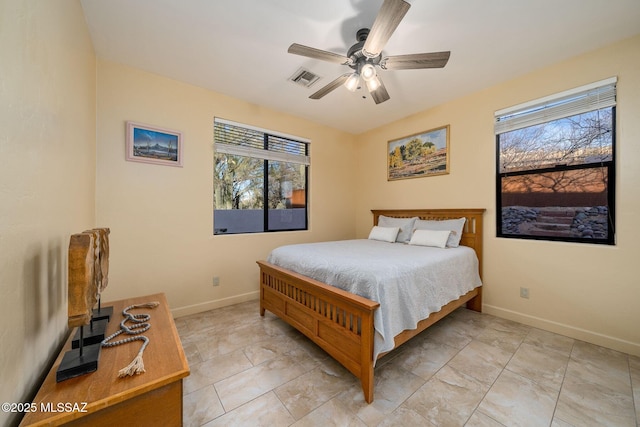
(340, 322)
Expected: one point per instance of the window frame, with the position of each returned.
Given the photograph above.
(548, 110)
(266, 155)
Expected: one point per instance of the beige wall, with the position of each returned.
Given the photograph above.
(47, 180)
(161, 217)
(589, 292)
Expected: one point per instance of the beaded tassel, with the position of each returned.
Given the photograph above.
(137, 364)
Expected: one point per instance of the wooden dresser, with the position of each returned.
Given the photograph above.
(100, 398)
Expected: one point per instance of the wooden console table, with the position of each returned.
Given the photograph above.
(152, 398)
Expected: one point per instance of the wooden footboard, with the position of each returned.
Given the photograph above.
(340, 322)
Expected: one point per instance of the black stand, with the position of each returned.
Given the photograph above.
(102, 313)
(80, 361)
(94, 335)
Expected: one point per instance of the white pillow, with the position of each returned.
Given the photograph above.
(386, 234)
(454, 225)
(437, 238)
(406, 226)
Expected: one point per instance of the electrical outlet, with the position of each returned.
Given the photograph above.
(216, 281)
(524, 293)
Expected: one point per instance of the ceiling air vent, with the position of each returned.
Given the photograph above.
(304, 77)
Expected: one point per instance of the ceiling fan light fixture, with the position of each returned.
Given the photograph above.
(352, 82)
(368, 72)
(373, 83)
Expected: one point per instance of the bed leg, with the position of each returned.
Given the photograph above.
(366, 356)
(261, 308)
(367, 383)
(475, 303)
(261, 298)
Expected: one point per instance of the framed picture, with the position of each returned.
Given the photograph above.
(421, 154)
(151, 144)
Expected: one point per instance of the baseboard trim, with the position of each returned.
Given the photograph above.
(566, 330)
(210, 305)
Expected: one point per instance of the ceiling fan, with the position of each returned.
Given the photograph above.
(364, 56)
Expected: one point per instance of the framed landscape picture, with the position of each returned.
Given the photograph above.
(150, 144)
(421, 154)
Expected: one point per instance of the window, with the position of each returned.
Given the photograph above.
(260, 180)
(555, 175)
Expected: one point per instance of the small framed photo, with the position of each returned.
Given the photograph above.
(152, 144)
(421, 154)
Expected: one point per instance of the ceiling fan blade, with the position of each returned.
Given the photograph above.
(311, 52)
(415, 61)
(389, 17)
(330, 87)
(380, 94)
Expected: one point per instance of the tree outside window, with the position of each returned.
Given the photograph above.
(555, 178)
(260, 181)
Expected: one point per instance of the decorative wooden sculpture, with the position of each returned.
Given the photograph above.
(104, 259)
(82, 296)
(82, 284)
(100, 316)
(102, 272)
(97, 277)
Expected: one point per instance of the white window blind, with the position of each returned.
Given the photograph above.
(243, 140)
(575, 101)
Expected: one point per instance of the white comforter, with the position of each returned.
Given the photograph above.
(410, 282)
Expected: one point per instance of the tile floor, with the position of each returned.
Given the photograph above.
(470, 369)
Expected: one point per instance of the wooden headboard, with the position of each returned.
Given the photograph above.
(471, 235)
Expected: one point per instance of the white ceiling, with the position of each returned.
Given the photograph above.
(239, 47)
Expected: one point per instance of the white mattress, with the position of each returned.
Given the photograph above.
(410, 282)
